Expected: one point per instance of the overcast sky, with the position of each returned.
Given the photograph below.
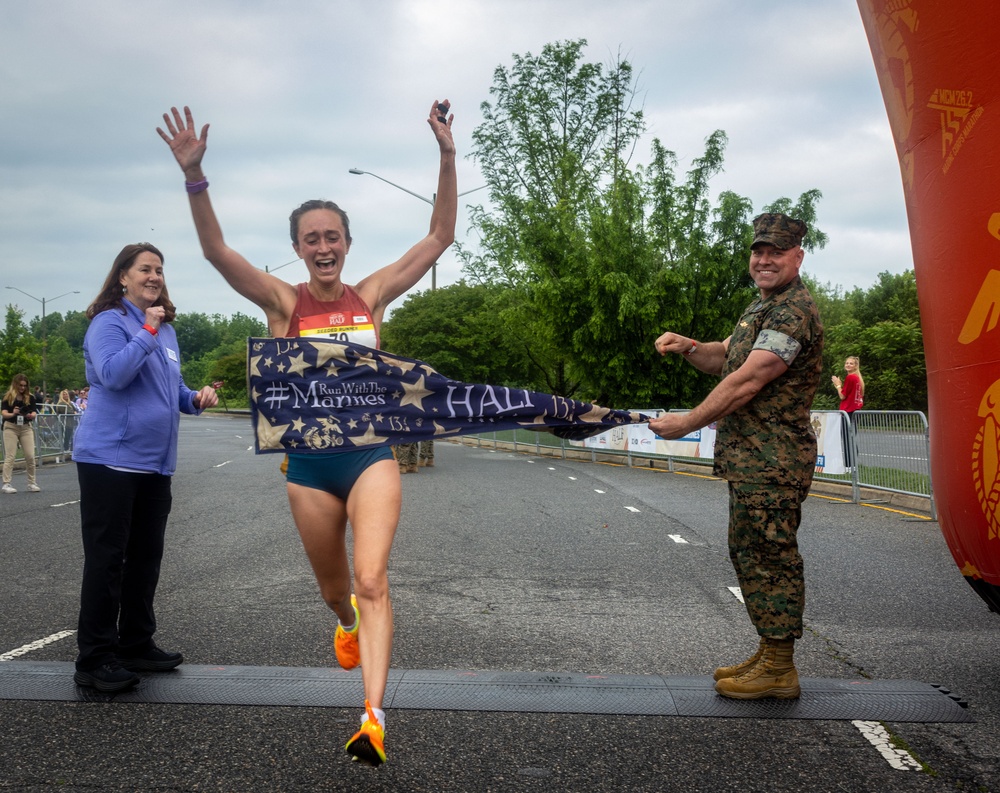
(298, 92)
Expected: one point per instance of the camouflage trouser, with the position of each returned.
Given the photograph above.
(427, 451)
(763, 546)
(406, 454)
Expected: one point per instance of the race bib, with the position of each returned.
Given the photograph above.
(340, 326)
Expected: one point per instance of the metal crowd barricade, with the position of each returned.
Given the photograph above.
(54, 434)
(891, 452)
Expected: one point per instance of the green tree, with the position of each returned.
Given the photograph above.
(830, 300)
(893, 298)
(197, 334)
(892, 363)
(64, 367)
(240, 327)
(598, 258)
(881, 326)
(73, 329)
(42, 330)
(209, 343)
(895, 369)
(62, 338)
(455, 330)
(556, 131)
(20, 351)
(231, 369)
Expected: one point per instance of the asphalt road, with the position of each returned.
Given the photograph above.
(502, 562)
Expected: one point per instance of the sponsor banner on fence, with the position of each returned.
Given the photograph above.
(640, 439)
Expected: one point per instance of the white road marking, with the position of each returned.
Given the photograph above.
(65, 503)
(736, 593)
(36, 645)
(551, 468)
(678, 539)
(572, 478)
(631, 509)
(249, 448)
(598, 491)
(900, 759)
(227, 462)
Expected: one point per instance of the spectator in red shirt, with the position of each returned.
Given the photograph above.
(852, 397)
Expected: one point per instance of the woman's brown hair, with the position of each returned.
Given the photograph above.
(12, 392)
(857, 371)
(111, 293)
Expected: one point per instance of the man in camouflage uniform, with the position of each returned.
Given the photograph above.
(765, 448)
(427, 454)
(407, 456)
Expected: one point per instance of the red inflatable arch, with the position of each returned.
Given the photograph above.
(938, 65)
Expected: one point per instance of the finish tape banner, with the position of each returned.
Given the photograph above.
(939, 71)
(320, 396)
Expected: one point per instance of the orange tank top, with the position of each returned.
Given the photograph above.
(346, 319)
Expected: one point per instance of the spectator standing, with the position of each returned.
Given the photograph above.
(19, 410)
(407, 455)
(427, 454)
(67, 412)
(852, 398)
(125, 453)
(765, 448)
(81, 399)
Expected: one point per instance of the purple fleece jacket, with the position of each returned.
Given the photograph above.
(136, 394)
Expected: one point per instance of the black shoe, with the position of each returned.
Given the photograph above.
(109, 677)
(153, 660)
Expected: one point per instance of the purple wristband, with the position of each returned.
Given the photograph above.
(196, 187)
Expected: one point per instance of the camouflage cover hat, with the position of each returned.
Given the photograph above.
(778, 230)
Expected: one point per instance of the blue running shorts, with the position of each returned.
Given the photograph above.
(333, 473)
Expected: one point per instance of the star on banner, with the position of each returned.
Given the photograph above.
(367, 360)
(329, 352)
(298, 365)
(415, 393)
(368, 438)
(268, 436)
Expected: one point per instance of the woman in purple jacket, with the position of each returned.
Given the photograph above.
(125, 452)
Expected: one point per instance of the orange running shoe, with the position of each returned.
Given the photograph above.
(345, 643)
(367, 743)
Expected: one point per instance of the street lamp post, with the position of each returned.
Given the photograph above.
(45, 333)
(430, 201)
(272, 269)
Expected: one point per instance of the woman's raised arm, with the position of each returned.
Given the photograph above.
(385, 285)
(274, 296)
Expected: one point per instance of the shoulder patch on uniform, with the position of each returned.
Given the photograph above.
(782, 345)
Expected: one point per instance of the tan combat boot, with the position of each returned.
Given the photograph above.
(740, 668)
(773, 676)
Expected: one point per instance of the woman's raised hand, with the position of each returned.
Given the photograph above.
(188, 148)
(440, 121)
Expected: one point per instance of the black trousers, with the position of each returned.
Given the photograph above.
(845, 439)
(124, 518)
